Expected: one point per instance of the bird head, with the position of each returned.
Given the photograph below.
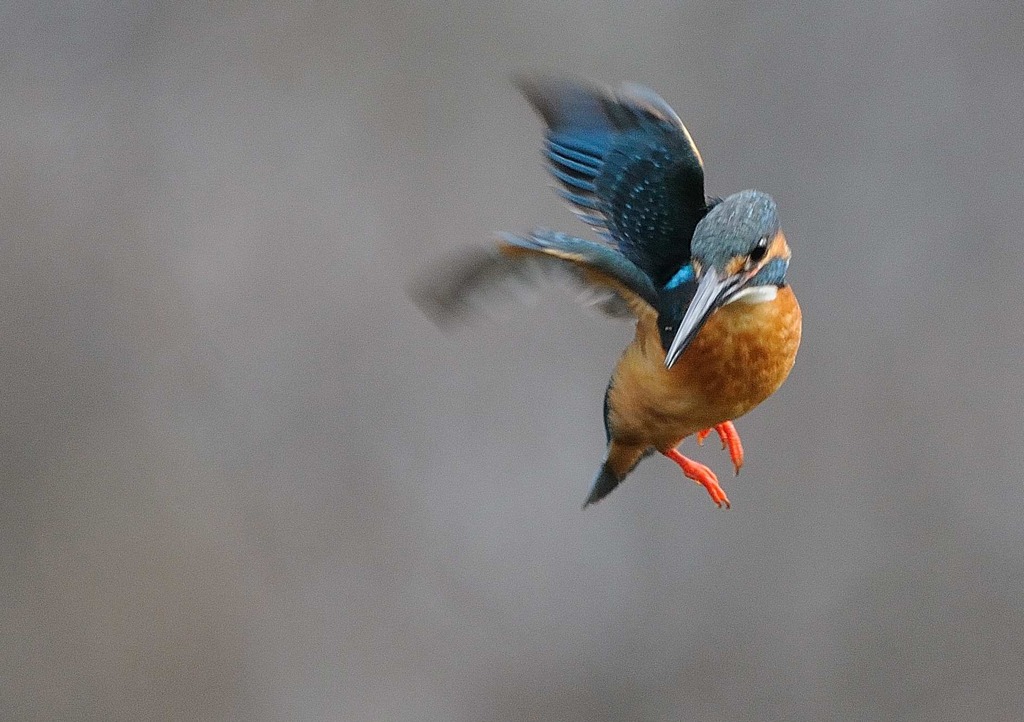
(738, 250)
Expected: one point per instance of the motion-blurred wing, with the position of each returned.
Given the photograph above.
(627, 165)
(480, 278)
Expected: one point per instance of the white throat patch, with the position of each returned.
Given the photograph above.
(755, 294)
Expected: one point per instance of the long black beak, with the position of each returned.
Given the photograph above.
(712, 292)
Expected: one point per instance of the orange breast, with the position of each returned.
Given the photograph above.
(741, 357)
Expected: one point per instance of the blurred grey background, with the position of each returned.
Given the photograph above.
(244, 479)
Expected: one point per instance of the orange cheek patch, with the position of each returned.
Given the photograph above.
(736, 265)
(779, 248)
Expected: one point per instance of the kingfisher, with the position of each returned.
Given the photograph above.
(717, 325)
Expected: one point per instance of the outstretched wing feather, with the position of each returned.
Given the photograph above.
(627, 166)
(478, 279)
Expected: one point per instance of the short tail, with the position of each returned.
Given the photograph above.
(621, 460)
(605, 481)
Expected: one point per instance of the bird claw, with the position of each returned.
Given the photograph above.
(702, 475)
(730, 440)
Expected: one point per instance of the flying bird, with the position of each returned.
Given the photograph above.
(717, 325)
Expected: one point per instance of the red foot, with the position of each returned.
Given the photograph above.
(730, 440)
(702, 475)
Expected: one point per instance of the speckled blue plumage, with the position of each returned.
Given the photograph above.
(627, 166)
(627, 170)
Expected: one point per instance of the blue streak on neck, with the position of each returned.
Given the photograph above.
(683, 275)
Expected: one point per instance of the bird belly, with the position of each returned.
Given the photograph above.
(741, 356)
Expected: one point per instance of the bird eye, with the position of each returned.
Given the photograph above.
(759, 250)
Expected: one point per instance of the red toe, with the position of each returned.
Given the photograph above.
(702, 475)
(731, 441)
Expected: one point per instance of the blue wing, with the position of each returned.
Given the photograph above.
(627, 166)
(476, 278)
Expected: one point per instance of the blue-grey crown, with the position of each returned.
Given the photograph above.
(734, 226)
